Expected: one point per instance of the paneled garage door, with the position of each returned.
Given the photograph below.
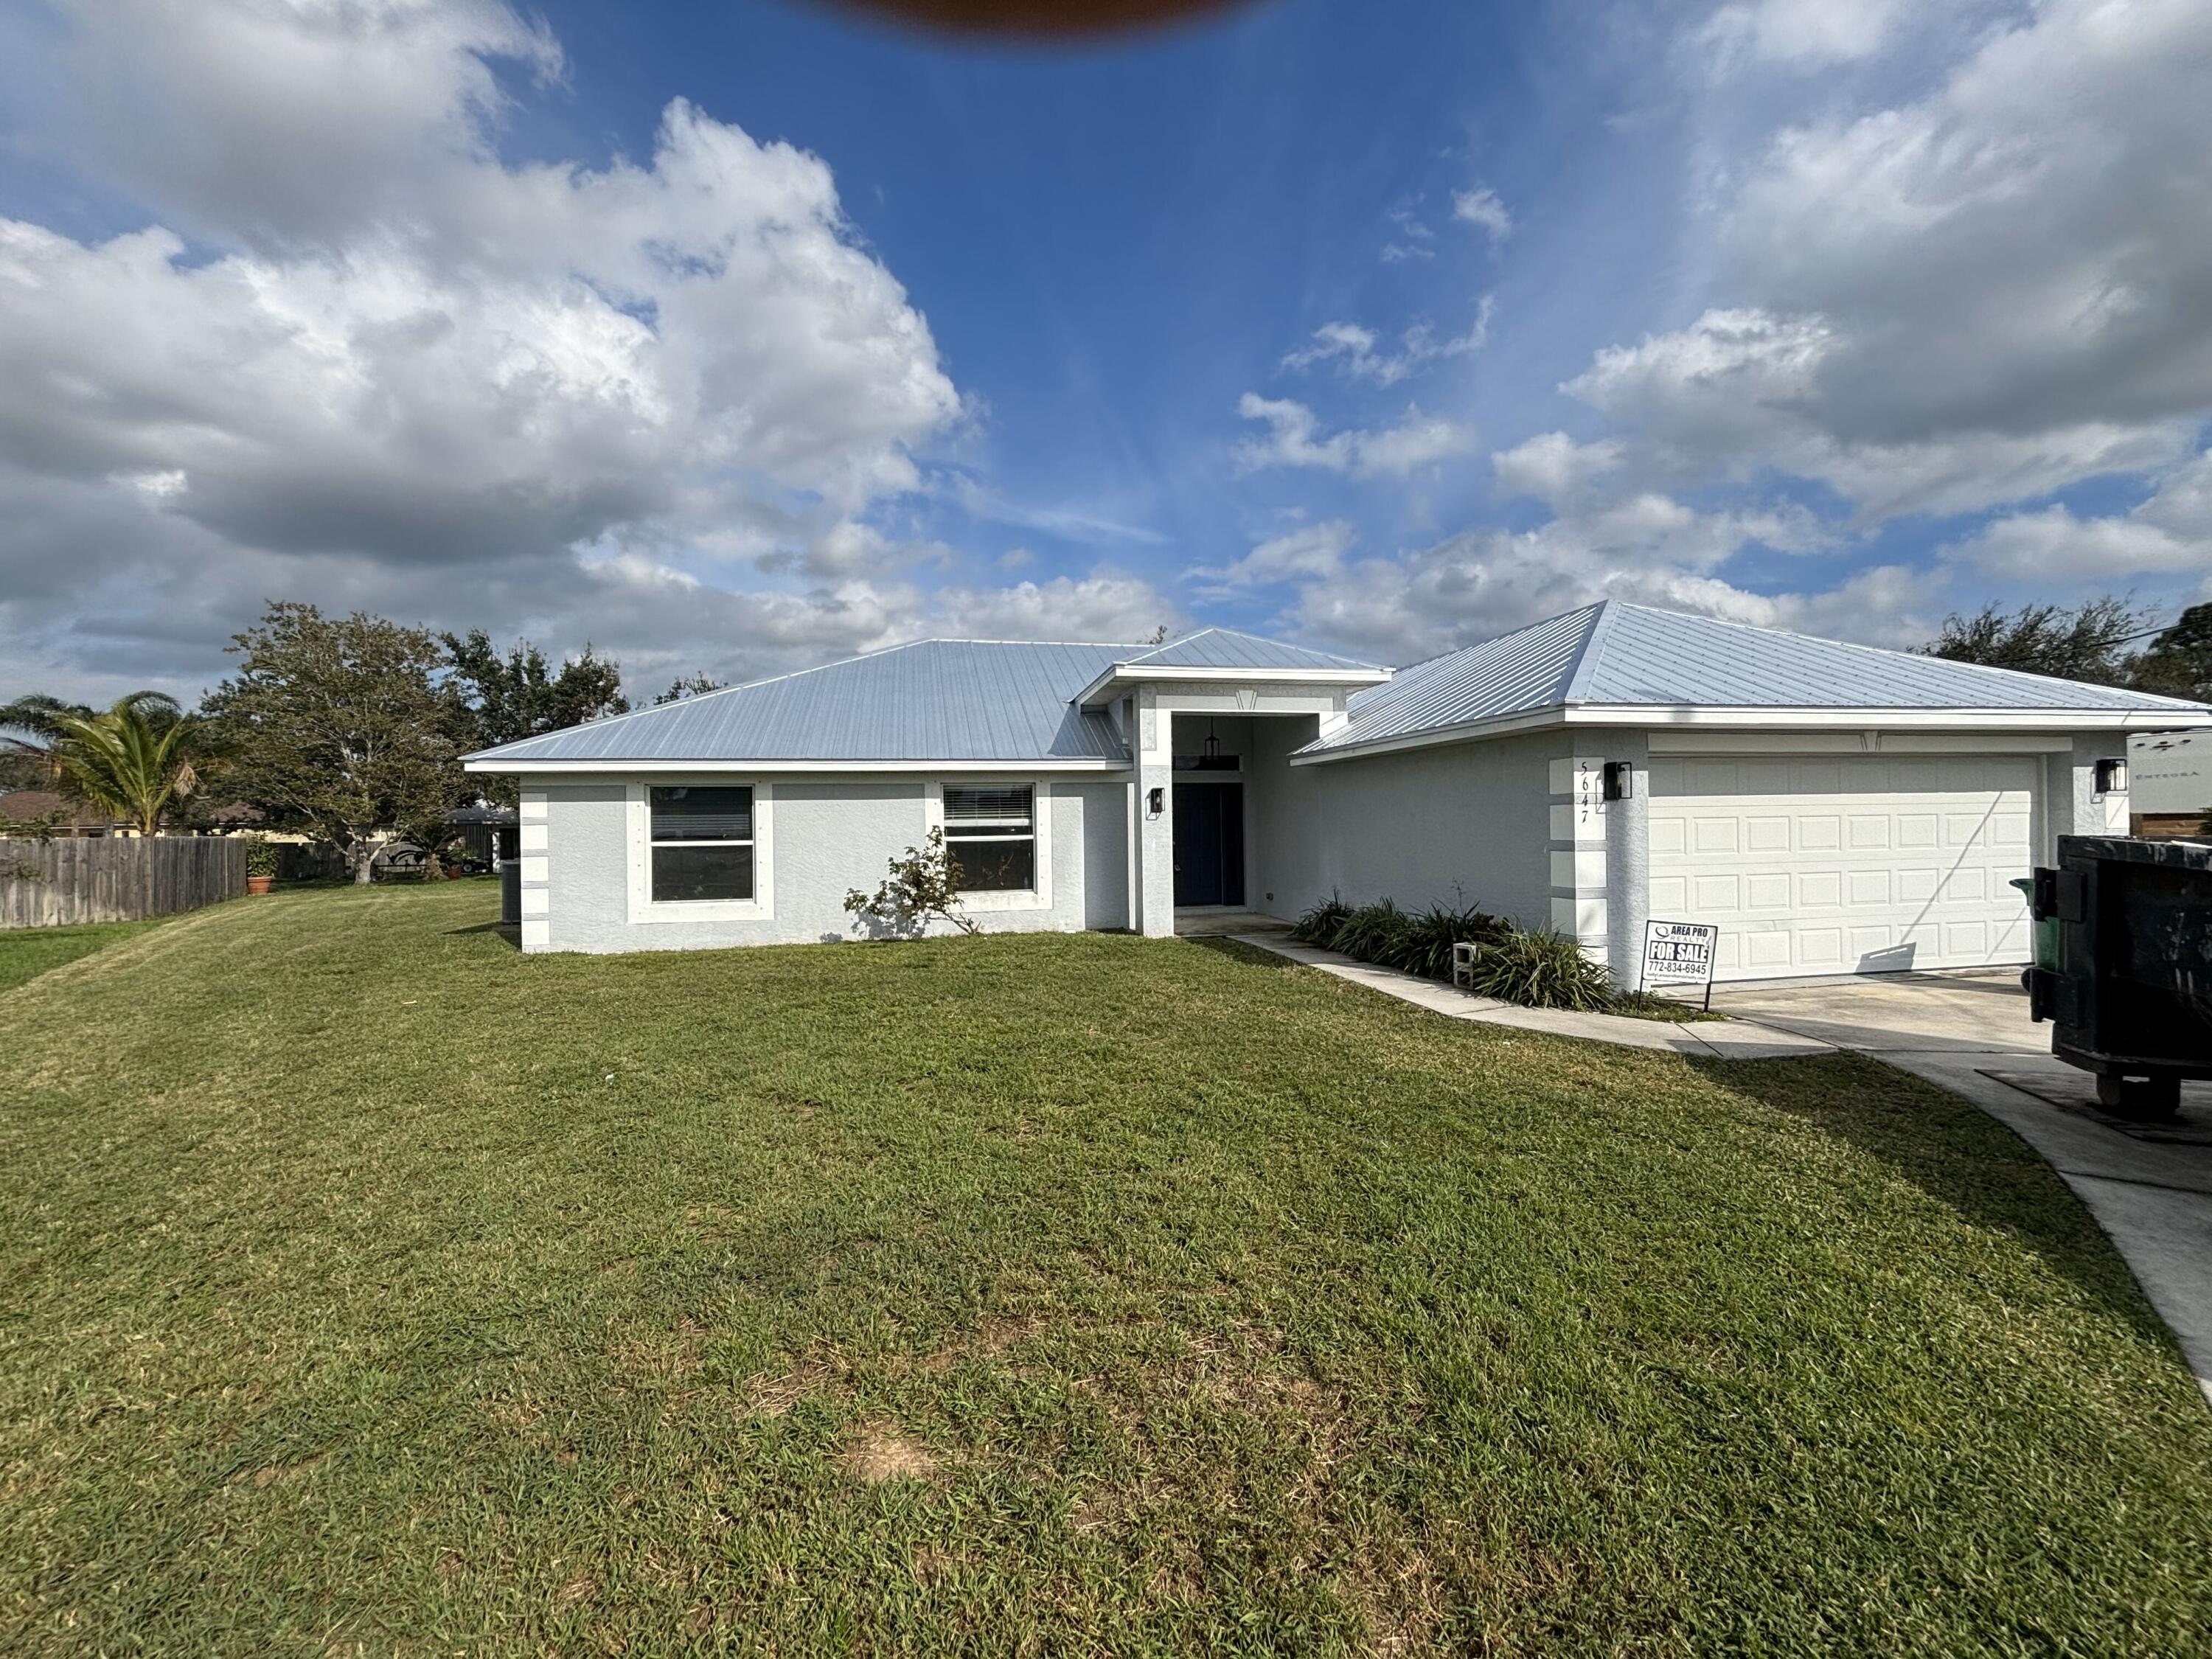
(1849, 864)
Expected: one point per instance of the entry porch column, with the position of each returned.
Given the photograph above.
(1155, 837)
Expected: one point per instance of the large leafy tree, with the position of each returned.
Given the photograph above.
(2178, 663)
(521, 694)
(2087, 642)
(134, 758)
(2094, 642)
(341, 725)
(505, 698)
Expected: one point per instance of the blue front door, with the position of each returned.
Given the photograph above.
(1209, 843)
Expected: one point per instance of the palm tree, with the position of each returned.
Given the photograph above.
(27, 731)
(133, 758)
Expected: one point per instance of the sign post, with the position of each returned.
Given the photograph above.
(1680, 953)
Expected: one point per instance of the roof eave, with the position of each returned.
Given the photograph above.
(1100, 689)
(519, 765)
(1757, 718)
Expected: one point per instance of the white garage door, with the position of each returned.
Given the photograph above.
(1852, 864)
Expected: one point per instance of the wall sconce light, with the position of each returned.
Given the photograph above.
(2112, 777)
(1620, 779)
(1156, 802)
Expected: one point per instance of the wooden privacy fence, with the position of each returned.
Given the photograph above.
(56, 884)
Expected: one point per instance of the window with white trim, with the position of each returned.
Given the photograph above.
(990, 830)
(701, 842)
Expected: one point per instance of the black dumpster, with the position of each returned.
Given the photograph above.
(2131, 994)
(510, 893)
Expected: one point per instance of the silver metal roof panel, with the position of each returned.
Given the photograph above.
(1224, 648)
(948, 700)
(1613, 654)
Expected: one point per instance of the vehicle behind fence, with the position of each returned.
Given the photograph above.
(57, 883)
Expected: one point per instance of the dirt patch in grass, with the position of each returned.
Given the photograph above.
(877, 1452)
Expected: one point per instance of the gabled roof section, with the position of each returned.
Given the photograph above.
(1223, 653)
(953, 701)
(1634, 663)
(1224, 648)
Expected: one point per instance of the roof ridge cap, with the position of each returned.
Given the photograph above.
(1586, 653)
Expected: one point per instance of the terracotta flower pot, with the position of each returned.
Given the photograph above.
(258, 884)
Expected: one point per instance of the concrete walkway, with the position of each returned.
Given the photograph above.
(2149, 1186)
(1718, 1039)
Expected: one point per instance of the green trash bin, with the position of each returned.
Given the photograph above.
(2046, 930)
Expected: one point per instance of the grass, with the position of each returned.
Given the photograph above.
(27, 952)
(373, 1288)
(1652, 1005)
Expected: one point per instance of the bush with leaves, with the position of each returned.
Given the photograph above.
(262, 858)
(1419, 943)
(1540, 969)
(923, 886)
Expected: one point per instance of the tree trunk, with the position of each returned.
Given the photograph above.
(361, 854)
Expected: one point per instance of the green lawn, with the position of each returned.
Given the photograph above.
(374, 1289)
(27, 952)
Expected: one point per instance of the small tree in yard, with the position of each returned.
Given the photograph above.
(133, 759)
(339, 725)
(923, 885)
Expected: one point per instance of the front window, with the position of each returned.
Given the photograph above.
(990, 830)
(703, 844)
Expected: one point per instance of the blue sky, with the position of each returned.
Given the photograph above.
(740, 337)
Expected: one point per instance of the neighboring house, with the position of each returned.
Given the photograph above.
(71, 819)
(1833, 808)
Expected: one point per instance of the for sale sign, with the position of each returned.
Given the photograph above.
(1679, 953)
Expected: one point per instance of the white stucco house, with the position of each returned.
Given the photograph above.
(1833, 808)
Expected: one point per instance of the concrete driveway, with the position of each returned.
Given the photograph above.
(2149, 1185)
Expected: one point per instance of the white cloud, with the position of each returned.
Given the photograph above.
(1554, 468)
(1293, 439)
(1800, 34)
(1310, 552)
(391, 369)
(1102, 606)
(1482, 208)
(1988, 293)
(1352, 349)
(1643, 545)
(1420, 239)
(1746, 389)
(2169, 533)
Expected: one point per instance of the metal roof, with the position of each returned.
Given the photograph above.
(1224, 648)
(1616, 655)
(948, 700)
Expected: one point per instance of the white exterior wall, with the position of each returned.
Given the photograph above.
(1461, 823)
(821, 836)
(2075, 806)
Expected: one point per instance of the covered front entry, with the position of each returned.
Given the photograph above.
(1845, 864)
(1209, 844)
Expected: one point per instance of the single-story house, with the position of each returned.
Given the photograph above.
(1832, 807)
(62, 816)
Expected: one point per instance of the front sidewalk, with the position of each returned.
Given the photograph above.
(1719, 1039)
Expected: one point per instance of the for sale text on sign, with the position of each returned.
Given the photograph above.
(1679, 952)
